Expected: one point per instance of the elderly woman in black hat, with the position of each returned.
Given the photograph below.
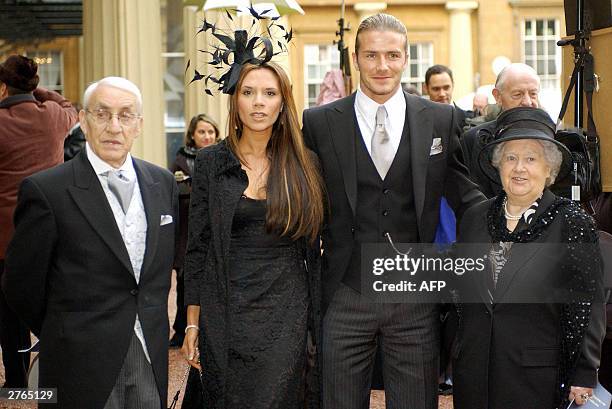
(530, 324)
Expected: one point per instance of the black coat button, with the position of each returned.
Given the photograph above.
(385, 213)
(134, 291)
(386, 191)
(352, 230)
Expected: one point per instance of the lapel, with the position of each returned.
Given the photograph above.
(151, 199)
(421, 126)
(231, 181)
(520, 253)
(342, 127)
(478, 237)
(89, 197)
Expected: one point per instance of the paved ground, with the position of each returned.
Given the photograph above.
(177, 371)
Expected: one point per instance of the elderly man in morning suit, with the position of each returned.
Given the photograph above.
(95, 286)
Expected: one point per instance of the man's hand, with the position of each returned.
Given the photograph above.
(580, 395)
(190, 348)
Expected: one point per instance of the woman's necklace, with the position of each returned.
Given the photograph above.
(507, 213)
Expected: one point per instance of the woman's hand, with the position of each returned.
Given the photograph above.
(580, 395)
(190, 347)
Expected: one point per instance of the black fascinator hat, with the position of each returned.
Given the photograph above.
(239, 47)
(520, 123)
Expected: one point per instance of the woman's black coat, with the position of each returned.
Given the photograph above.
(218, 183)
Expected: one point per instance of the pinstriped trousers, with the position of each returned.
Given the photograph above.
(409, 335)
(135, 387)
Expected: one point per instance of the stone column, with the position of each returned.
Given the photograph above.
(123, 38)
(461, 54)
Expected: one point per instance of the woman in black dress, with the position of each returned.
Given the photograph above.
(252, 271)
(202, 132)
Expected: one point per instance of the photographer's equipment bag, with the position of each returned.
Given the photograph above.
(584, 182)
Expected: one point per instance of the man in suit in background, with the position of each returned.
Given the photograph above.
(88, 268)
(33, 124)
(439, 85)
(517, 85)
(386, 157)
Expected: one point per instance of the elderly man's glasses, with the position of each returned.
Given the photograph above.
(104, 117)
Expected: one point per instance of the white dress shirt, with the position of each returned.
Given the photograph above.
(132, 224)
(365, 109)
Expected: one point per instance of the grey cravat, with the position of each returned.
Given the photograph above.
(121, 187)
(382, 150)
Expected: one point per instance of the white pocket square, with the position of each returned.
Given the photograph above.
(165, 219)
(436, 147)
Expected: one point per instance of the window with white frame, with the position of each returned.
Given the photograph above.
(539, 41)
(50, 69)
(421, 58)
(318, 60)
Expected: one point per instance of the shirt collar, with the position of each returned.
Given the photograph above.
(16, 99)
(101, 167)
(367, 107)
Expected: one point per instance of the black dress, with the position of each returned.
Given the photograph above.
(268, 314)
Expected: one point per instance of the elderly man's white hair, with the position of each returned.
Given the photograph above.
(115, 82)
(515, 68)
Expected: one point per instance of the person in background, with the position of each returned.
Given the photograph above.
(439, 85)
(483, 112)
(411, 89)
(202, 132)
(479, 104)
(75, 140)
(517, 85)
(33, 125)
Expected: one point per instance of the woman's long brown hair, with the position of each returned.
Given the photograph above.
(294, 187)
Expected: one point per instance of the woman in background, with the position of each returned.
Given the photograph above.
(202, 132)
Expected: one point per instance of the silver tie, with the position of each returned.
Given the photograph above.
(121, 187)
(382, 150)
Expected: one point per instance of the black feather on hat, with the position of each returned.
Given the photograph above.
(19, 72)
(521, 123)
(238, 48)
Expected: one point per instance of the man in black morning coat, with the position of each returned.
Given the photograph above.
(373, 195)
(89, 266)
